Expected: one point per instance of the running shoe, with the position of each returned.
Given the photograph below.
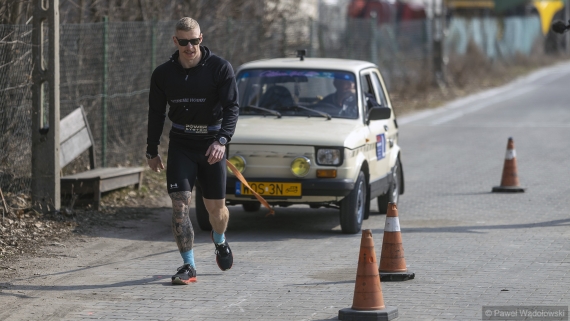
(224, 256)
(185, 275)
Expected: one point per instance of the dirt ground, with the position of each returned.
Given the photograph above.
(25, 233)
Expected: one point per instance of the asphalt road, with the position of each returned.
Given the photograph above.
(468, 247)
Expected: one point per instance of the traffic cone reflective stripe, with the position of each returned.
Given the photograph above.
(392, 257)
(510, 178)
(368, 302)
(392, 261)
(367, 289)
(392, 224)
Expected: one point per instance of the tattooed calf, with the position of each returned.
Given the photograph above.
(181, 224)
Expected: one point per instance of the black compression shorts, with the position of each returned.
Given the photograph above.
(185, 165)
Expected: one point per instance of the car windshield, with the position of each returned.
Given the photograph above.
(298, 92)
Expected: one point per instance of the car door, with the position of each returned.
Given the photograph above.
(377, 146)
(392, 127)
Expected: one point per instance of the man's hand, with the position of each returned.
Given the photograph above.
(216, 152)
(155, 163)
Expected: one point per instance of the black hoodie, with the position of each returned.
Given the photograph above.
(199, 98)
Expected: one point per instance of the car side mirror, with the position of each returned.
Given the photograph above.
(378, 113)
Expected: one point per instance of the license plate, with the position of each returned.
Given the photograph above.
(269, 189)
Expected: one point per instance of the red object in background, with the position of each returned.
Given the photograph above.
(385, 11)
(355, 8)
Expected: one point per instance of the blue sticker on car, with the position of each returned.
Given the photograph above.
(380, 146)
(238, 188)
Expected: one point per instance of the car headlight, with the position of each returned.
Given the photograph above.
(238, 162)
(329, 156)
(300, 166)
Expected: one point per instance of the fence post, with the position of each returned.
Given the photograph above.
(349, 36)
(229, 42)
(438, 17)
(567, 19)
(153, 45)
(104, 98)
(46, 192)
(284, 39)
(373, 44)
(311, 35)
(321, 40)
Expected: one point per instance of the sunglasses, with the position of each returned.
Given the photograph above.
(184, 42)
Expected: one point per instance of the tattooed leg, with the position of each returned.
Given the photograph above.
(181, 224)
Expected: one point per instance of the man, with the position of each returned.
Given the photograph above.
(344, 97)
(201, 90)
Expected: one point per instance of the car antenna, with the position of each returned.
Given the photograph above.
(301, 53)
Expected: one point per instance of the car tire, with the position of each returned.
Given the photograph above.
(393, 194)
(367, 209)
(251, 207)
(353, 206)
(202, 215)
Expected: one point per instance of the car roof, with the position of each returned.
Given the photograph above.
(310, 63)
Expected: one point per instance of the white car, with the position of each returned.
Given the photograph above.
(314, 131)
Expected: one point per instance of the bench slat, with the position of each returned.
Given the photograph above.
(103, 173)
(74, 146)
(70, 125)
(112, 183)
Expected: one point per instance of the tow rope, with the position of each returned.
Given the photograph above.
(244, 182)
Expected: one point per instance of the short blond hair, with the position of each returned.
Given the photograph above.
(187, 24)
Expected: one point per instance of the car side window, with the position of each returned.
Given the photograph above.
(383, 101)
(367, 89)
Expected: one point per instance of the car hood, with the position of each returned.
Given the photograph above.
(314, 131)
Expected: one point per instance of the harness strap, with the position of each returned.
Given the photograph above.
(244, 182)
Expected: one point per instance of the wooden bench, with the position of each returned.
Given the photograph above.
(75, 138)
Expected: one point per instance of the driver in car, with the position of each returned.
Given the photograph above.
(344, 97)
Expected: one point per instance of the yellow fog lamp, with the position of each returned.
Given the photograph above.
(300, 166)
(238, 162)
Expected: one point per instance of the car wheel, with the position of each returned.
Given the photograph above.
(393, 194)
(202, 215)
(353, 206)
(251, 207)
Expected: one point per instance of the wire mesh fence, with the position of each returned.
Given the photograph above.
(106, 68)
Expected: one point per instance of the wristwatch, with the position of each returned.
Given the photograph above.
(150, 156)
(222, 140)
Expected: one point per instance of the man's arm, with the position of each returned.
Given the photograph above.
(156, 116)
(228, 93)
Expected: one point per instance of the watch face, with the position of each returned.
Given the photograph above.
(222, 140)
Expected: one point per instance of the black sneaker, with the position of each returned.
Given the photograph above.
(185, 275)
(224, 256)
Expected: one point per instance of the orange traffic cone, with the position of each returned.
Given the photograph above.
(392, 261)
(510, 179)
(368, 303)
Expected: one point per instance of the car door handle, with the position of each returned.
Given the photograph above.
(386, 127)
(391, 142)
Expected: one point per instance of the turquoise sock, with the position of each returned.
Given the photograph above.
(188, 257)
(219, 238)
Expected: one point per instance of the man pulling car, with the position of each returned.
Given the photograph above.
(201, 90)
